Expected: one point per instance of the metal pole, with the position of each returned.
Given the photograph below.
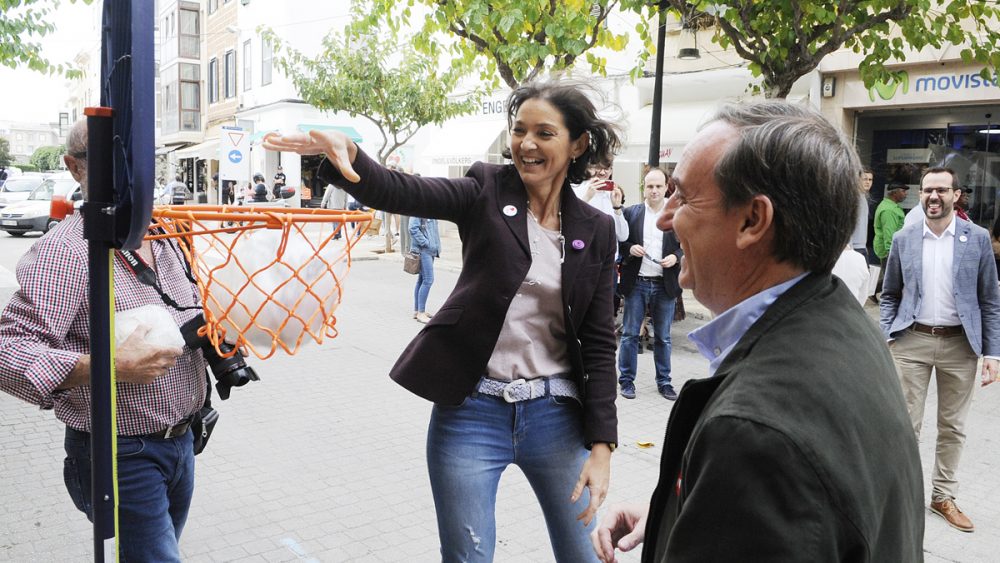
(99, 230)
(654, 127)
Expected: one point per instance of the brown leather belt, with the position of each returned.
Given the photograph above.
(938, 330)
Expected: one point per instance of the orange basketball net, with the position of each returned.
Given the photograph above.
(268, 276)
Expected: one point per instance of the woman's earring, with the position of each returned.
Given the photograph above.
(573, 160)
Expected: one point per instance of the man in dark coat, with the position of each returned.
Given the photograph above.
(798, 447)
(650, 261)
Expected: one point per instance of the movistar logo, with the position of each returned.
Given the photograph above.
(887, 90)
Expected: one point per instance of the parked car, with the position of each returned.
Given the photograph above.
(18, 187)
(32, 214)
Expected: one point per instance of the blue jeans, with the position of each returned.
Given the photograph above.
(468, 448)
(155, 485)
(646, 293)
(425, 279)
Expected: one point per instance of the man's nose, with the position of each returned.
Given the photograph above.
(665, 222)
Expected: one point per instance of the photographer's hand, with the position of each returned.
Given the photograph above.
(138, 362)
(135, 362)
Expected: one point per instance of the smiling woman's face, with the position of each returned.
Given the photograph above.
(540, 144)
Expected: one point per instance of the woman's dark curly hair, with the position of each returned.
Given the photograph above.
(579, 115)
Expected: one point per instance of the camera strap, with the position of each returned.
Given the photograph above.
(146, 276)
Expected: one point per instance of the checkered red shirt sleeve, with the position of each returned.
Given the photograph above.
(46, 328)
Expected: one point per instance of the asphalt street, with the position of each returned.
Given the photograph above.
(323, 460)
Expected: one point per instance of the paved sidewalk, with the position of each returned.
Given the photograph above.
(323, 460)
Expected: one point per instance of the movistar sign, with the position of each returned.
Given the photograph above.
(945, 82)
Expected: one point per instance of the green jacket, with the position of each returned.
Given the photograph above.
(888, 219)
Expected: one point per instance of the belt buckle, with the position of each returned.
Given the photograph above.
(171, 430)
(938, 331)
(512, 386)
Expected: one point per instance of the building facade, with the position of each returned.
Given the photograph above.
(941, 112)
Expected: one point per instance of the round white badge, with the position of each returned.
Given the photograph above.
(510, 211)
(963, 238)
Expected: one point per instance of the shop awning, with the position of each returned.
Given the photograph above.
(678, 124)
(463, 143)
(166, 150)
(208, 150)
(349, 131)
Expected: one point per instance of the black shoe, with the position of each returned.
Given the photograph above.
(628, 390)
(668, 393)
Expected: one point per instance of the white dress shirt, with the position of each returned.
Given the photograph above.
(937, 304)
(652, 241)
(602, 201)
(852, 269)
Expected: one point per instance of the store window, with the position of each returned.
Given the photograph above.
(901, 145)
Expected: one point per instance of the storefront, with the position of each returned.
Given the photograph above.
(935, 115)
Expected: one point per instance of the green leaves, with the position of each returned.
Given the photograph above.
(512, 40)
(784, 40)
(21, 21)
(365, 73)
(47, 158)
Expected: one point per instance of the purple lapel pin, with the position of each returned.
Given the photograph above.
(578, 244)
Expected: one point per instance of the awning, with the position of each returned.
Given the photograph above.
(463, 143)
(678, 124)
(209, 150)
(166, 150)
(257, 137)
(349, 131)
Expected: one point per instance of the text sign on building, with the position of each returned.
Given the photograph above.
(234, 155)
(923, 86)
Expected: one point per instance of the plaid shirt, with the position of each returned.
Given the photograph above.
(46, 328)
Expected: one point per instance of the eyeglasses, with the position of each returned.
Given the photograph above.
(938, 191)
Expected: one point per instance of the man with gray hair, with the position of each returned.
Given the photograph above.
(45, 361)
(798, 447)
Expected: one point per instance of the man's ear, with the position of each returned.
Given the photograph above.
(757, 218)
(74, 167)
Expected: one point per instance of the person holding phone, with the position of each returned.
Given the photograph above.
(601, 192)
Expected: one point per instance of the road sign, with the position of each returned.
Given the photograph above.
(234, 155)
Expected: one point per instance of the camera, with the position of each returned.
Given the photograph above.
(228, 372)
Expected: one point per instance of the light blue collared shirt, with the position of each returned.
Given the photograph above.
(716, 339)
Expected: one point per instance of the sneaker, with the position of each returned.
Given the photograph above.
(628, 390)
(668, 393)
(422, 317)
(948, 510)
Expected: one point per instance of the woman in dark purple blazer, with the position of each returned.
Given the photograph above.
(519, 361)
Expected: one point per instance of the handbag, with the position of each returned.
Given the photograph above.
(411, 262)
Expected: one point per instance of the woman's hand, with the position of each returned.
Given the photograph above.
(617, 196)
(339, 149)
(595, 476)
(591, 185)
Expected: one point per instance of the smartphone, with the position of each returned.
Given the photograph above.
(606, 186)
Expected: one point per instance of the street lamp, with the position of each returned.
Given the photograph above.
(654, 127)
(689, 42)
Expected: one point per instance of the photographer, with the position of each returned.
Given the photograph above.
(160, 391)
